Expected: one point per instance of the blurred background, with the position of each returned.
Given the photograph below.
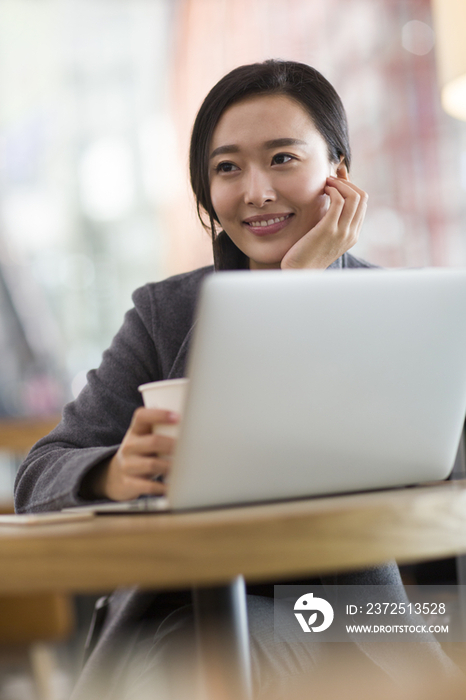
(97, 99)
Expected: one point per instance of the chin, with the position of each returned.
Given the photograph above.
(272, 257)
(270, 262)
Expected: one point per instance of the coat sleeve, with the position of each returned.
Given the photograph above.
(94, 424)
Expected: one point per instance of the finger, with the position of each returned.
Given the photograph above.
(151, 444)
(355, 205)
(349, 211)
(146, 487)
(344, 186)
(359, 214)
(144, 419)
(146, 467)
(164, 445)
(133, 487)
(358, 217)
(362, 208)
(333, 213)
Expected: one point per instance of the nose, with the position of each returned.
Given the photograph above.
(258, 188)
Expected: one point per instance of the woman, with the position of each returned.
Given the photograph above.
(269, 167)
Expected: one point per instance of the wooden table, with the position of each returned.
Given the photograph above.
(212, 548)
(263, 542)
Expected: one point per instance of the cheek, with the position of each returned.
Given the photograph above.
(221, 198)
(310, 193)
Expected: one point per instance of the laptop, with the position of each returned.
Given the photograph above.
(311, 383)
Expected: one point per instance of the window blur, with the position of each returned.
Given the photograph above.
(97, 98)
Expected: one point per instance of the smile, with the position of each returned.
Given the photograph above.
(265, 226)
(268, 222)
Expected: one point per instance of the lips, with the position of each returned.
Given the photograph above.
(267, 224)
(266, 220)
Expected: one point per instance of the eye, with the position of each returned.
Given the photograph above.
(281, 158)
(226, 167)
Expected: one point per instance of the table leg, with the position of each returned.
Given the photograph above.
(223, 640)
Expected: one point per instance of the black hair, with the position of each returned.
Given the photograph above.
(298, 81)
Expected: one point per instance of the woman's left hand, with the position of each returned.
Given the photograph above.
(336, 232)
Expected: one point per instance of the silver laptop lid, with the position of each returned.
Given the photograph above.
(304, 383)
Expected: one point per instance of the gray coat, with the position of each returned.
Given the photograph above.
(151, 345)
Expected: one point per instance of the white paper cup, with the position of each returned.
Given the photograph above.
(168, 395)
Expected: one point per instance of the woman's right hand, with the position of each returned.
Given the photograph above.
(141, 456)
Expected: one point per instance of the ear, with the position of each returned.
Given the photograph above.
(340, 170)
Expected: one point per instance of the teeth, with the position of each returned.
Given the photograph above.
(269, 222)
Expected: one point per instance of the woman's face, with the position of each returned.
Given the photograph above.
(268, 168)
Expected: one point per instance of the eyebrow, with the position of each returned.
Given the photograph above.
(274, 143)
